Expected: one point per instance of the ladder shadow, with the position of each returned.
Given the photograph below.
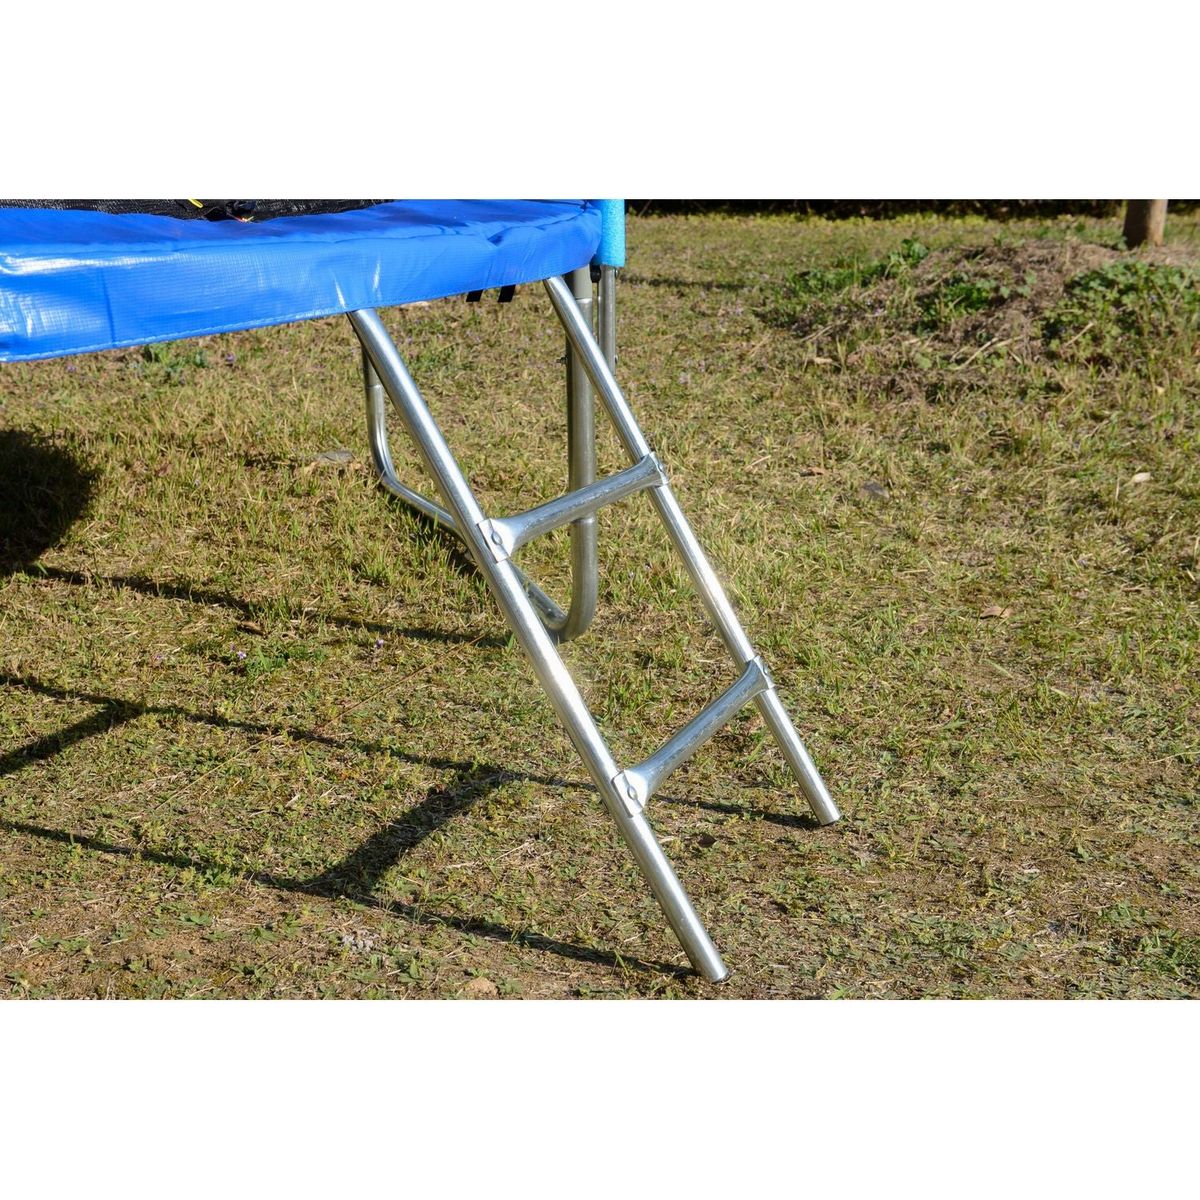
(44, 491)
(201, 595)
(358, 874)
(116, 711)
(427, 530)
(322, 888)
(663, 281)
(797, 820)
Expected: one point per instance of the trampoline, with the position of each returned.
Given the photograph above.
(80, 280)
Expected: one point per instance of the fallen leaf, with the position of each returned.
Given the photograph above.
(252, 627)
(813, 471)
(330, 458)
(481, 988)
(994, 610)
(1142, 477)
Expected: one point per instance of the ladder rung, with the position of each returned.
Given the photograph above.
(636, 785)
(505, 534)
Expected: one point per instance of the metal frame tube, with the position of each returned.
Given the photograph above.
(581, 470)
(510, 595)
(639, 783)
(381, 457)
(712, 594)
(381, 451)
(607, 324)
(509, 534)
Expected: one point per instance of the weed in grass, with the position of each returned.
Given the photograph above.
(1127, 311)
(956, 297)
(794, 299)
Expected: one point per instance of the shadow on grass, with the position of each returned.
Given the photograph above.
(199, 595)
(324, 887)
(116, 711)
(359, 873)
(427, 530)
(704, 285)
(44, 490)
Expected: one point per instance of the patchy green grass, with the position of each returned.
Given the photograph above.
(1150, 308)
(263, 734)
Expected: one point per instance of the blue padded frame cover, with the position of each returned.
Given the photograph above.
(611, 251)
(73, 281)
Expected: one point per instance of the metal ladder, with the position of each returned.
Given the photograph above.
(536, 620)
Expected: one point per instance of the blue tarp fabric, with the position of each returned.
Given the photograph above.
(72, 282)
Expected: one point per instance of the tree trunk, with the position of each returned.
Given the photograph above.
(1144, 220)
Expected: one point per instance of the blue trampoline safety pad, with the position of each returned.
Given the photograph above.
(72, 282)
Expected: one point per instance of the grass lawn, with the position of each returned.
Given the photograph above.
(262, 732)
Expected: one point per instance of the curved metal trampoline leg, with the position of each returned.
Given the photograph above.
(381, 450)
(581, 469)
(381, 458)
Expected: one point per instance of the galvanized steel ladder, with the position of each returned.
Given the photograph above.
(537, 621)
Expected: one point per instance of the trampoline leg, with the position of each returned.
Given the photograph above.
(581, 470)
(381, 456)
(486, 539)
(381, 451)
(607, 323)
